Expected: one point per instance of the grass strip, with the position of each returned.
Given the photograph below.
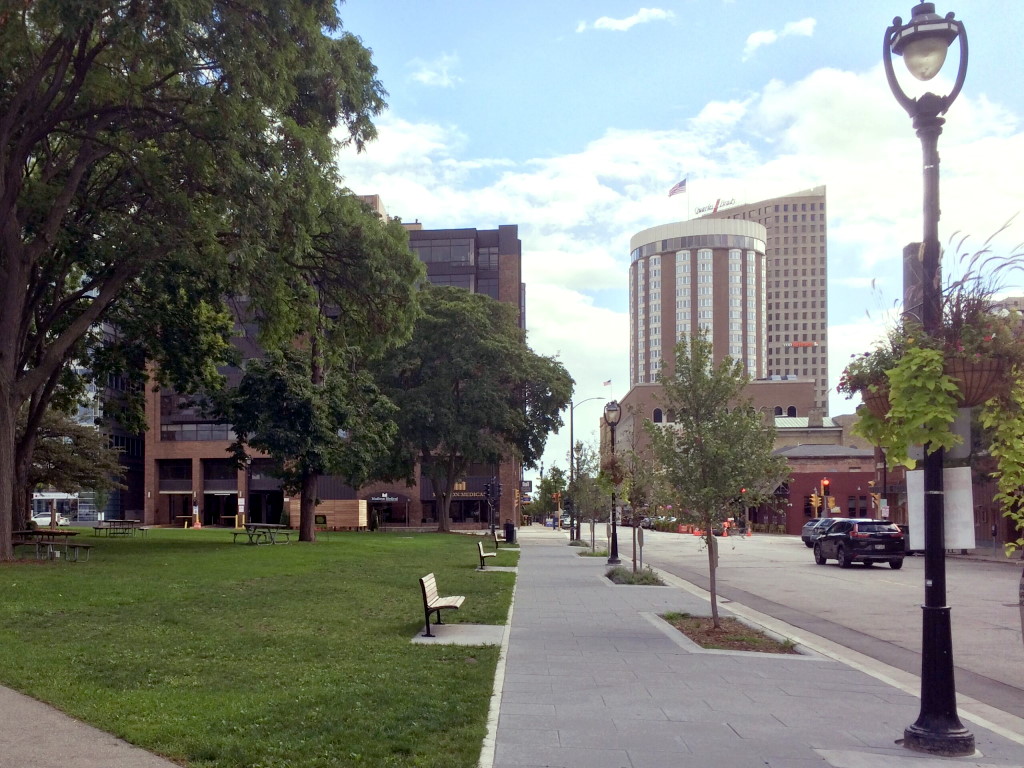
(222, 655)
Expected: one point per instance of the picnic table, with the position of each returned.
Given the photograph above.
(264, 533)
(49, 542)
(122, 527)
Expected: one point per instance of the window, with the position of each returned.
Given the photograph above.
(656, 416)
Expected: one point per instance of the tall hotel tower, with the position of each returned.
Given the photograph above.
(757, 280)
(797, 279)
(704, 273)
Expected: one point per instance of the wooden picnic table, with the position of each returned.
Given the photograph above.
(117, 527)
(265, 533)
(49, 541)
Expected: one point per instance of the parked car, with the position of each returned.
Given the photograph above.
(43, 519)
(859, 540)
(813, 529)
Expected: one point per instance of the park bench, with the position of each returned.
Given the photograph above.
(480, 547)
(100, 527)
(433, 603)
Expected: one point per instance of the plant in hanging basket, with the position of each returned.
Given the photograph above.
(877, 402)
(977, 379)
(865, 374)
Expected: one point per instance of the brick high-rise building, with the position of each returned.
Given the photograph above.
(796, 284)
(754, 276)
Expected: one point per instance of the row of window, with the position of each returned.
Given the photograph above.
(195, 432)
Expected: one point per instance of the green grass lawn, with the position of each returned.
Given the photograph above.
(220, 654)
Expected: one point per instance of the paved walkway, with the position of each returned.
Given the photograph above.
(590, 677)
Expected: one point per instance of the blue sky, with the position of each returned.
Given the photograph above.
(573, 119)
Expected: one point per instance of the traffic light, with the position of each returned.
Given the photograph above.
(825, 483)
(487, 490)
(498, 494)
(815, 501)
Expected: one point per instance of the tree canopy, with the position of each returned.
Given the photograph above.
(312, 403)
(469, 390)
(717, 456)
(150, 154)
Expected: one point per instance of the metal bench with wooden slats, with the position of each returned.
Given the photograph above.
(433, 603)
(480, 547)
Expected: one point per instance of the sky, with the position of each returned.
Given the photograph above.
(573, 119)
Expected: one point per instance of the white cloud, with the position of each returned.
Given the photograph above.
(576, 212)
(643, 16)
(437, 73)
(802, 28)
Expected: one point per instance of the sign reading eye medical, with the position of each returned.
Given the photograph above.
(718, 205)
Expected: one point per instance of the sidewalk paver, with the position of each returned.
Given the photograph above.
(592, 679)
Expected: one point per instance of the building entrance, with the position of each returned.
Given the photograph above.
(265, 506)
(217, 506)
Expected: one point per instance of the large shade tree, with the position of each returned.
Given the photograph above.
(312, 403)
(149, 152)
(469, 390)
(717, 456)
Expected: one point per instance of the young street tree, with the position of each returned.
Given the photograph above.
(470, 391)
(148, 153)
(717, 446)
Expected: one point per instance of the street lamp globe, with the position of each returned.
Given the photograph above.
(923, 43)
(612, 413)
(924, 40)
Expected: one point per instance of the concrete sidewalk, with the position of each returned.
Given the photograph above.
(590, 677)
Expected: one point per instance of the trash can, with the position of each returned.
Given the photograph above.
(510, 532)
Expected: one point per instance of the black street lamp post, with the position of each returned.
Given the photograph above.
(923, 43)
(612, 414)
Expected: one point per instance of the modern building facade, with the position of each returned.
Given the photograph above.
(187, 464)
(689, 275)
(796, 283)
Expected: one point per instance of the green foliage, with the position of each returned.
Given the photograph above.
(923, 405)
(646, 577)
(342, 425)
(555, 481)
(470, 390)
(717, 445)
(227, 655)
(153, 152)
(73, 457)
(1004, 418)
(867, 371)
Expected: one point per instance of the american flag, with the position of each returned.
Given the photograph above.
(608, 383)
(678, 188)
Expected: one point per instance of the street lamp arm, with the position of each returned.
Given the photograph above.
(572, 405)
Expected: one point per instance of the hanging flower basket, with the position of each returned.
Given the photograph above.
(979, 379)
(876, 401)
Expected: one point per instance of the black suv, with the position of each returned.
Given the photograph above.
(851, 540)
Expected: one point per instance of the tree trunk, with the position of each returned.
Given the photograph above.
(8, 413)
(444, 520)
(712, 575)
(307, 507)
